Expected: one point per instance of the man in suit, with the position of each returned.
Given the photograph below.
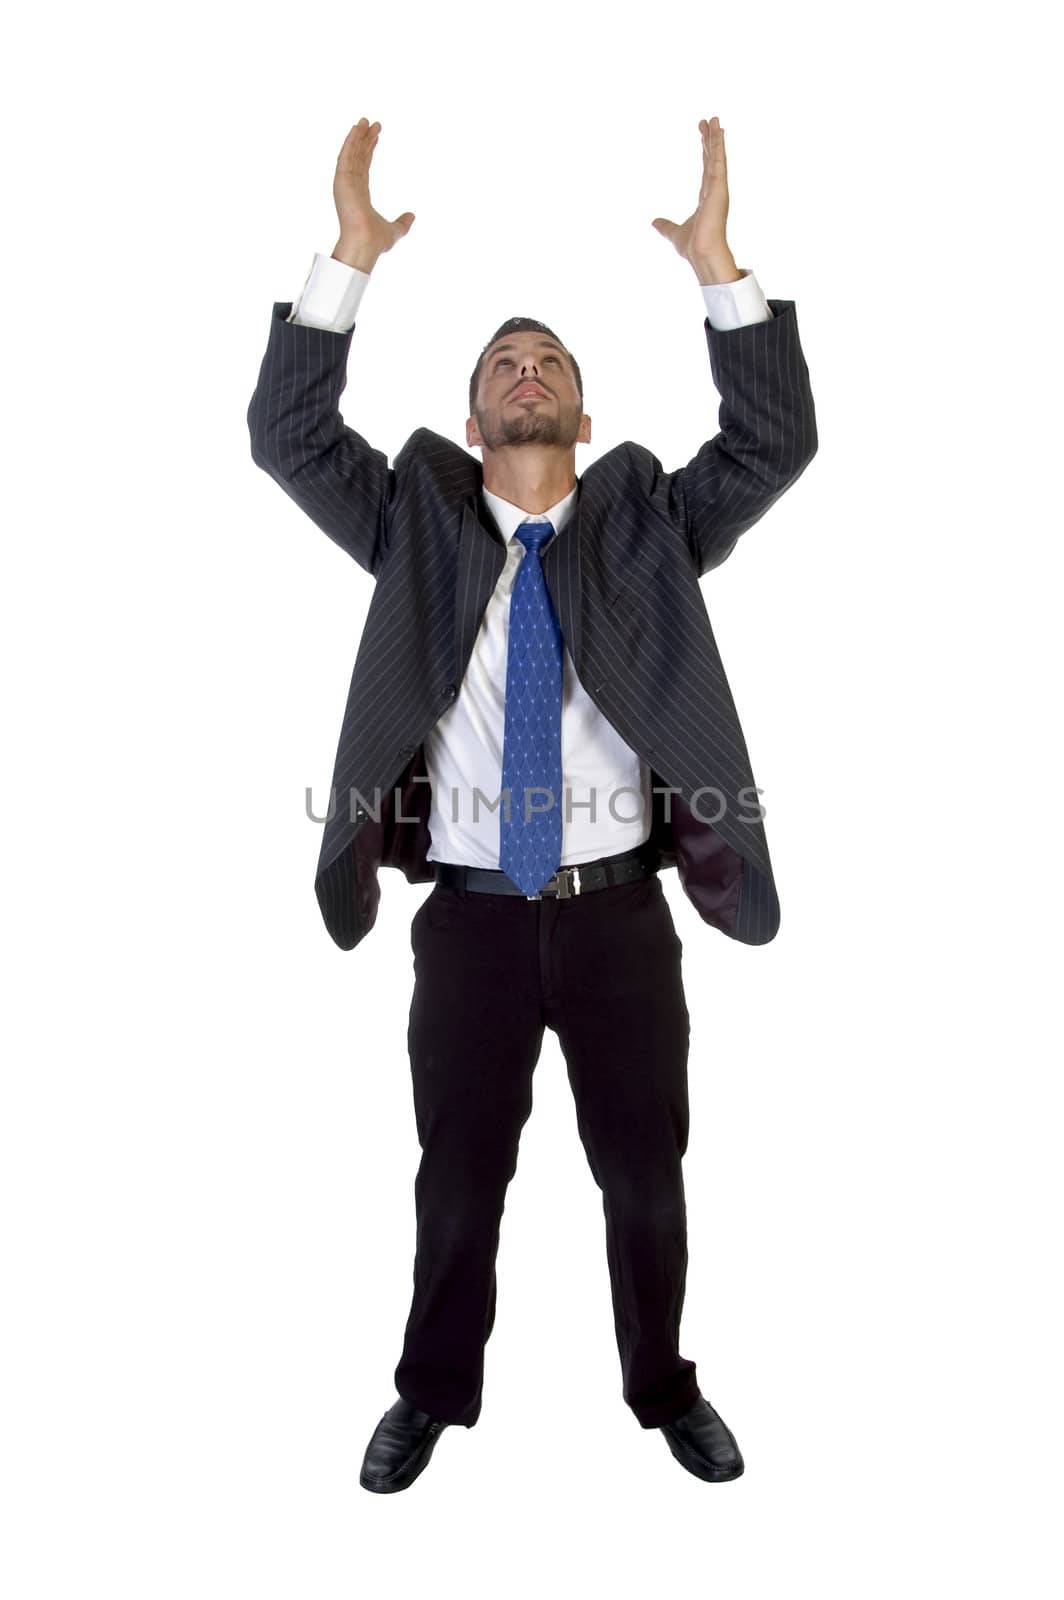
(537, 722)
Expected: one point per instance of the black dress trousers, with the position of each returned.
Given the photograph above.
(491, 971)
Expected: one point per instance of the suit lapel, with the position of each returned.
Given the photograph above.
(481, 558)
(561, 568)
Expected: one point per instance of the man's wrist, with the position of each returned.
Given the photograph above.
(720, 268)
(353, 253)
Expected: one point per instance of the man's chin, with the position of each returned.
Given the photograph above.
(536, 433)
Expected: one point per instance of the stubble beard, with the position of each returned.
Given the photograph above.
(531, 426)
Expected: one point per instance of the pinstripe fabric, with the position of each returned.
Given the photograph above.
(623, 577)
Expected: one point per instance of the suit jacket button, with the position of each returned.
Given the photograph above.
(406, 751)
(450, 690)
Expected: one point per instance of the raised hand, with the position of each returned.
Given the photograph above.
(364, 233)
(701, 240)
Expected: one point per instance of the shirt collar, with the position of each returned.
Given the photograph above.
(510, 517)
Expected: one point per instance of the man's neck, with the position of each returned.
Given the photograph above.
(532, 480)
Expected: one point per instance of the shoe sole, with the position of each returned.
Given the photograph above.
(404, 1476)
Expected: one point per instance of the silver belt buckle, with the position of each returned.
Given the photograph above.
(563, 882)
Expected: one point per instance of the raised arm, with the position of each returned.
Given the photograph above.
(297, 433)
(767, 420)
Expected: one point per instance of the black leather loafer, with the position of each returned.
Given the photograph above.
(402, 1443)
(704, 1444)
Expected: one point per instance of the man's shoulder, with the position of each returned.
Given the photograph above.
(435, 451)
(624, 457)
(629, 469)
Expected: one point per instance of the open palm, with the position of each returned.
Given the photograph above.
(702, 237)
(361, 226)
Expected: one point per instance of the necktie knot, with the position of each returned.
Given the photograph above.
(534, 534)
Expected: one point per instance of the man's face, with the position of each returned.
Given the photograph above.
(527, 394)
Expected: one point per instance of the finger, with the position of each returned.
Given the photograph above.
(359, 146)
(356, 133)
(714, 163)
(712, 138)
(361, 133)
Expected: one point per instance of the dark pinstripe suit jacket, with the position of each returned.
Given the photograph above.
(623, 575)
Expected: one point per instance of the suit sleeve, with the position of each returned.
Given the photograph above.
(298, 436)
(767, 435)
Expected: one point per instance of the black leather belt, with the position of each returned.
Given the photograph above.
(566, 882)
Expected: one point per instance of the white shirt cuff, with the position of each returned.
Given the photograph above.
(330, 296)
(733, 305)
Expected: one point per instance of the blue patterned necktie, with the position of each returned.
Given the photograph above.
(531, 850)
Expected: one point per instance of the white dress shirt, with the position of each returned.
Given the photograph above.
(606, 786)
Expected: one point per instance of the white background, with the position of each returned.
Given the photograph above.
(208, 1135)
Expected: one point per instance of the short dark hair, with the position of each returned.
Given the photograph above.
(518, 325)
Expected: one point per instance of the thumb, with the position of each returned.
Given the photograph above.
(664, 227)
(403, 223)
